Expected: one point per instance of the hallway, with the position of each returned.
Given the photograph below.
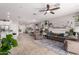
(28, 46)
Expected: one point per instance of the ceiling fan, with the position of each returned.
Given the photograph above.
(48, 9)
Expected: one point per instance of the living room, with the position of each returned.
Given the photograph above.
(40, 28)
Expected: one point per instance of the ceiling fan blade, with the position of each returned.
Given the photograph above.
(55, 8)
(48, 6)
(42, 10)
(52, 12)
(45, 13)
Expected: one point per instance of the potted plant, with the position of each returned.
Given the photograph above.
(71, 32)
(7, 44)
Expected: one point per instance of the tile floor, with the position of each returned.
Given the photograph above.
(28, 46)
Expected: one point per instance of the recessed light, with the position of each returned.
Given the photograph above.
(34, 13)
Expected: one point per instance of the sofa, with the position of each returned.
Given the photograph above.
(54, 36)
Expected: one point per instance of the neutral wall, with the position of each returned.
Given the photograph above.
(67, 20)
(64, 20)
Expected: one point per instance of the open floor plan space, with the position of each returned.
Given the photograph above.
(39, 28)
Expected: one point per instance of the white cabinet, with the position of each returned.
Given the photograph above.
(5, 22)
(9, 28)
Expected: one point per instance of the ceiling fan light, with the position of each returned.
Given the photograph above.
(48, 11)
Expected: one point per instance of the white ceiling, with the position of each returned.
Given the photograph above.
(23, 12)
